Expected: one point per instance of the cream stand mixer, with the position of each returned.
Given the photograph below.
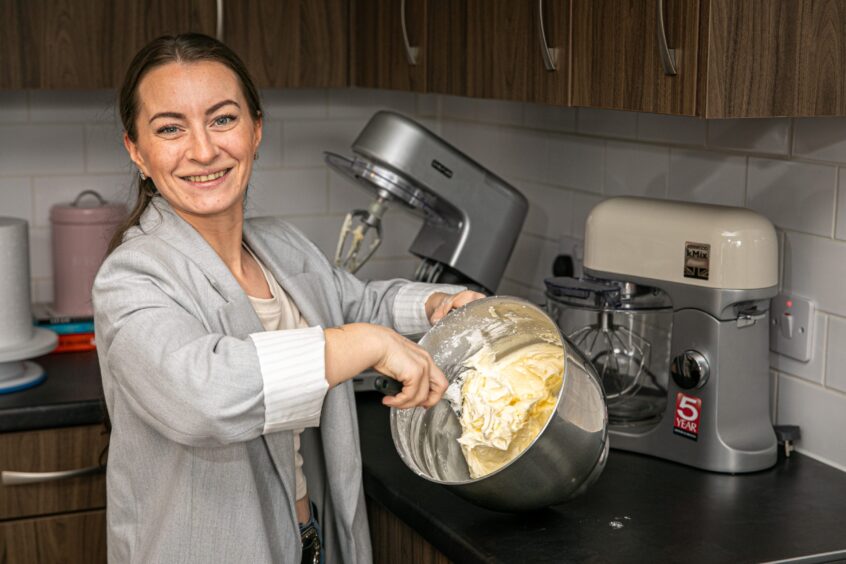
(674, 313)
(471, 217)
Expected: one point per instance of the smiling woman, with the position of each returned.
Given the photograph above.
(227, 345)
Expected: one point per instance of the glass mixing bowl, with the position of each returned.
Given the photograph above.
(567, 455)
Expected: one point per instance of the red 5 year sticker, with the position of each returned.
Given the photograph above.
(686, 420)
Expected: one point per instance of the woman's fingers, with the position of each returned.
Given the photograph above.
(423, 383)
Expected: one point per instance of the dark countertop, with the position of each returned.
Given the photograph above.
(71, 395)
(668, 512)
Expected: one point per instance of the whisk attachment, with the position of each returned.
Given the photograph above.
(360, 226)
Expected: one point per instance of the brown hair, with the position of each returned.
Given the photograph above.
(182, 48)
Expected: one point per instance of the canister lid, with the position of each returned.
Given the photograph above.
(88, 208)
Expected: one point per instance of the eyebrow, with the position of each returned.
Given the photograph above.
(211, 110)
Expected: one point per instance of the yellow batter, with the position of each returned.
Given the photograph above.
(506, 402)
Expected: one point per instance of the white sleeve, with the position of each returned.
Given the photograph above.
(410, 305)
(293, 368)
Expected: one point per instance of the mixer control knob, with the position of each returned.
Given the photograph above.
(690, 370)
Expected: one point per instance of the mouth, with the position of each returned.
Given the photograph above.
(206, 178)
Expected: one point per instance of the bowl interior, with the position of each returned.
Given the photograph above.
(426, 439)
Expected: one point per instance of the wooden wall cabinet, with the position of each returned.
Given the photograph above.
(389, 41)
(756, 58)
(72, 44)
(290, 43)
(61, 521)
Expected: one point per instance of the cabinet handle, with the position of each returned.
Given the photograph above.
(10, 478)
(668, 56)
(550, 55)
(218, 28)
(410, 52)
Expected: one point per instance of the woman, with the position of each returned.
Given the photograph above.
(226, 345)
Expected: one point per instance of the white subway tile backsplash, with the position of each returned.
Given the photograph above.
(636, 170)
(815, 267)
(835, 364)
(16, 198)
(794, 195)
(506, 152)
(840, 220)
(531, 261)
(399, 228)
(552, 118)
(73, 106)
(287, 192)
(814, 369)
(41, 149)
(820, 414)
(680, 130)
(754, 135)
(364, 102)
(296, 104)
(582, 205)
(550, 208)
(427, 105)
(489, 111)
(576, 162)
(14, 107)
(608, 123)
(508, 287)
(104, 149)
(305, 141)
(271, 149)
(51, 190)
(346, 195)
(697, 176)
(40, 253)
(820, 138)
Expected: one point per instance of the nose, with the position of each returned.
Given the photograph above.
(203, 148)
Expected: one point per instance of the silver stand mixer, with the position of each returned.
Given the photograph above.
(471, 217)
(673, 312)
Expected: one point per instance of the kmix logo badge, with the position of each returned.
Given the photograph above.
(686, 421)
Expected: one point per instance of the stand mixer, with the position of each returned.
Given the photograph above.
(673, 312)
(471, 218)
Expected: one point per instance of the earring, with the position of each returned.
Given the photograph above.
(255, 156)
(143, 176)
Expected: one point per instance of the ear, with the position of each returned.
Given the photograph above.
(132, 149)
(258, 129)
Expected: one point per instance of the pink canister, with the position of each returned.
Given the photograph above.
(81, 234)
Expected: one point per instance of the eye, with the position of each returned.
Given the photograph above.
(224, 120)
(167, 130)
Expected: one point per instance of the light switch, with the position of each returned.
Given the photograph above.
(791, 324)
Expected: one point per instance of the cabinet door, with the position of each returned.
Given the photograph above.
(821, 88)
(73, 44)
(52, 450)
(617, 61)
(447, 47)
(59, 539)
(388, 39)
(290, 43)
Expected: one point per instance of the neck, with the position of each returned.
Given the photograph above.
(224, 234)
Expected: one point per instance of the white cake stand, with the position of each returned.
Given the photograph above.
(18, 374)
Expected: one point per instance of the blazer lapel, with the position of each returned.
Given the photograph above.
(236, 316)
(289, 266)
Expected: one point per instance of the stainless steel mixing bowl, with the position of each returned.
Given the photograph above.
(564, 459)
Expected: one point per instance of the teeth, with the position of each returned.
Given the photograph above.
(206, 177)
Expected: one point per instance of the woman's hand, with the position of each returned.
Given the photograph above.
(353, 348)
(440, 304)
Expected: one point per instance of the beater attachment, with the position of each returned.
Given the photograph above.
(359, 226)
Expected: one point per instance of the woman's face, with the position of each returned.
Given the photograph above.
(196, 138)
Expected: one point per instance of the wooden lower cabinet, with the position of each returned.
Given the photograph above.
(53, 521)
(76, 538)
(394, 541)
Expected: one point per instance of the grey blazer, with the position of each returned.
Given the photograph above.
(191, 477)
